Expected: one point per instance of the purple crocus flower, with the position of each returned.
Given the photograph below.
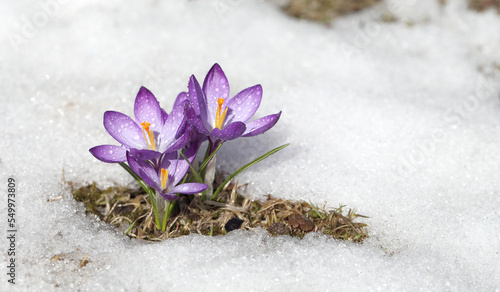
(221, 118)
(152, 133)
(165, 179)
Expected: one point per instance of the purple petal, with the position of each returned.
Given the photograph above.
(182, 166)
(145, 171)
(144, 154)
(124, 130)
(191, 151)
(164, 115)
(215, 86)
(182, 97)
(179, 143)
(167, 161)
(174, 125)
(230, 132)
(109, 153)
(195, 121)
(197, 97)
(147, 108)
(189, 188)
(261, 125)
(244, 104)
(169, 196)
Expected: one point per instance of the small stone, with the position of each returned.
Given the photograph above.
(301, 222)
(233, 223)
(278, 229)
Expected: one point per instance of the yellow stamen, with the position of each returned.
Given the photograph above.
(149, 136)
(164, 178)
(219, 117)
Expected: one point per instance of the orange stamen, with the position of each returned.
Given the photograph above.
(164, 178)
(149, 136)
(219, 117)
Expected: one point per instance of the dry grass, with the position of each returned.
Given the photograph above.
(130, 211)
(325, 10)
(481, 5)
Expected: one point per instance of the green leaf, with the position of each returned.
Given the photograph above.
(139, 180)
(255, 161)
(196, 175)
(130, 227)
(315, 210)
(152, 196)
(146, 188)
(168, 211)
(207, 159)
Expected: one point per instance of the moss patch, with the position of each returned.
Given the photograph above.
(131, 211)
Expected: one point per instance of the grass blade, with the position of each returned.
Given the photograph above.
(255, 161)
(196, 175)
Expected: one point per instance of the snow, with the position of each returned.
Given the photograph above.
(399, 120)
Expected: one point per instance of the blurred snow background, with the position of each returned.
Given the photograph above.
(400, 120)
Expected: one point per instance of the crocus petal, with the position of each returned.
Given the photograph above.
(144, 154)
(145, 171)
(169, 197)
(189, 188)
(261, 125)
(182, 166)
(230, 132)
(109, 153)
(195, 121)
(179, 143)
(199, 101)
(244, 104)
(180, 99)
(124, 130)
(147, 108)
(215, 86)
(196, 96)
(174, 125)
(164, 116)
(167, 160)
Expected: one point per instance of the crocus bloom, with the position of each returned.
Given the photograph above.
(221, 118)
(171, 170)
(152, 133)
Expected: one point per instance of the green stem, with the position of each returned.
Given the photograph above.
(155, 208)
(139, 180)
(168, 212)
(151, 192)
(255, 161)
(207, 153)
(196, 175)
(207, 159)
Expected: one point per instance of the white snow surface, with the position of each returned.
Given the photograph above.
(399, 120)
